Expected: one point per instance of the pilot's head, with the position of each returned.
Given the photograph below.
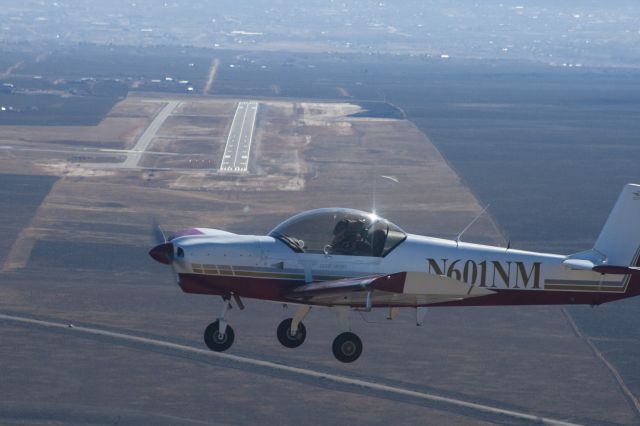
(349, 227)
(341, 227)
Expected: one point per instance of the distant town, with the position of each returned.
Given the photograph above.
(569, 34)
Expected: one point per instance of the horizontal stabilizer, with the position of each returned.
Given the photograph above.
(577, 262)
(617, 270)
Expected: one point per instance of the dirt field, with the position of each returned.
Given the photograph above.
(304, 155)
(81, 258)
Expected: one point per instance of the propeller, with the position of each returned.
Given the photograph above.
(159, 235)
(163, 252)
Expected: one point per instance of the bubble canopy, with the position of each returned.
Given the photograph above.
(339, 231)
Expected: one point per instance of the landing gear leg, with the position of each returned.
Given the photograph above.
(219, 336)
(347, 347)
(421, 313)
(291, 331)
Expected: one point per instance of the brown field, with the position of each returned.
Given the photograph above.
(118, 130)
(80, 258)
(304, 155)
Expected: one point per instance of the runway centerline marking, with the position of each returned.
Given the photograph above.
(295, 370)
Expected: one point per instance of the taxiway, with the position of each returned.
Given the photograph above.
(135, 155)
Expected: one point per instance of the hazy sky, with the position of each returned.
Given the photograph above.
(570, 31)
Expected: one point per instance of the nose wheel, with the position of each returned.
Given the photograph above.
(216, 340)
(288, 338)
(219, 336)
(347, 347)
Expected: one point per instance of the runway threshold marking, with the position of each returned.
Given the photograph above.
(295, 370)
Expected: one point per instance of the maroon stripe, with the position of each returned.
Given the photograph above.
(506, 297)
(253, 288)
(273, 289)
(393, 283)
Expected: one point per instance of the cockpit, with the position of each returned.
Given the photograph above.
(337, 231)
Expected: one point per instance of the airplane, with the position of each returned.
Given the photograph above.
(353, 260)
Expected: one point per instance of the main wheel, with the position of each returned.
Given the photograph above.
(288, 339)
(347, 347)
(217, 341)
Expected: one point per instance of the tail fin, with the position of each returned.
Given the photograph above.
(619, 240)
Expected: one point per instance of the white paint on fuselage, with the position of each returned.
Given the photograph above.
(473, 264)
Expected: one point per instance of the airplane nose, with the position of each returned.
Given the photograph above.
(162, 253)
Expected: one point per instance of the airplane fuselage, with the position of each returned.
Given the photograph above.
(262, 267)
(345, 259)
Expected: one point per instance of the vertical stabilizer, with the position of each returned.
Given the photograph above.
(619, 240)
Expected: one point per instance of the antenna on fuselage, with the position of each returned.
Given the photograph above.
(459, 237)
(374, 201)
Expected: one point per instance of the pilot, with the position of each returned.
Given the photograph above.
(349, 237)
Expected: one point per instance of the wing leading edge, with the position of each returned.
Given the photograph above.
(398, 289)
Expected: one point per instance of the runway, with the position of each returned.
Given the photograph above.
(392, 391)
(238, 148)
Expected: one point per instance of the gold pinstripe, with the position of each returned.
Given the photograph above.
(230, 271)
(585, 288)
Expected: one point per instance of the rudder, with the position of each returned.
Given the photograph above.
(619, 239)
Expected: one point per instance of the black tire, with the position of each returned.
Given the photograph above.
(347, 347)
(215, 341)
(285, 337)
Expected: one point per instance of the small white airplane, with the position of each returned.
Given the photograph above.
(349, 259)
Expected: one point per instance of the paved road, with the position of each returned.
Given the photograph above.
(134, 157)
(236, 153)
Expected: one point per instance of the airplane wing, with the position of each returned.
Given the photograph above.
(399, 289)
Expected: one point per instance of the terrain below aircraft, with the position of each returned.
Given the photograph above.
(349, 259)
